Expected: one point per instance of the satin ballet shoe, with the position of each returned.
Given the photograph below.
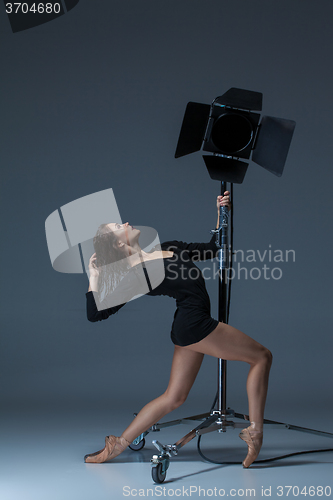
(113, 447)
(253, 439)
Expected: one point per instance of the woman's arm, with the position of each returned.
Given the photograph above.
(93, 274)
(93, 285)
(222, 201)
(104, 311)
(93, 314)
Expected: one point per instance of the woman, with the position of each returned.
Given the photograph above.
(194, 332)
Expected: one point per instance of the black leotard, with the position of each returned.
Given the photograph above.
(184, 282)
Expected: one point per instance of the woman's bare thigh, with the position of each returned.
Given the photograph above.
(227, 342)
(184, 369)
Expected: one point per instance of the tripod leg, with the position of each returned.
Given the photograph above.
(190, 435)
(186, 439)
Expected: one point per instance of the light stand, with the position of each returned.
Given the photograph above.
(230, 131)
(223, 259)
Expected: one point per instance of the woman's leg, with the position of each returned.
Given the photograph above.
(226, 342)
(229, 343)
(184, 369)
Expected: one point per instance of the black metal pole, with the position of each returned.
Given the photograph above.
(223, 258)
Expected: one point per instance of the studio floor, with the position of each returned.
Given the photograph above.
(42, 459)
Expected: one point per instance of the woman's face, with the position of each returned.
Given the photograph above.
(124, 232)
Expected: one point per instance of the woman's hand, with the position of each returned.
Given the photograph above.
(93, 269)
(224, 201)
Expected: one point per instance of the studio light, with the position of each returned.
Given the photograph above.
(231, 130)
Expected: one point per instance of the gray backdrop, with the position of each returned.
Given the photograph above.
(95, 99)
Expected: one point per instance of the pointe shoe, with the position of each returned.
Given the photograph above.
(113, 447)
(253, 438)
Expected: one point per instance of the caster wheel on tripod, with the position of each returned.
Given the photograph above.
(157, 474)
(137, 447)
